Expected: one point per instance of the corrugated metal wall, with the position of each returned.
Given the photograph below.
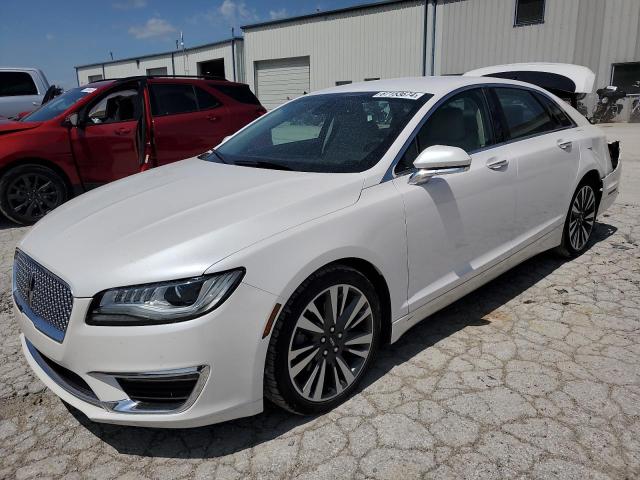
(184, 65)
(472, 34)
(384, 42)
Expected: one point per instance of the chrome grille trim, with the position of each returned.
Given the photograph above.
(42, 296)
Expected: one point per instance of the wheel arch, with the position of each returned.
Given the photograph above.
(593, 178)
(42, 162)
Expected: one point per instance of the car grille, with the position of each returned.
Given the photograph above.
(42, 296)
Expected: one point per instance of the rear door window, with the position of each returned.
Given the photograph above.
(13, 84)
(525, 116)
(172, 99)
(206, 101)
(559, 115)
(240, 93)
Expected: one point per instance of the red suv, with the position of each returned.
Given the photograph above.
(97, 133)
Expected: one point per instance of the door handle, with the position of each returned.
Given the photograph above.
(497, 163)
(35, 104)
(123, 131)
(566, 146)
(212, 118)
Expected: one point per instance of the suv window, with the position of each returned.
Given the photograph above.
(559, 115)
(525, 115)
(240, 93)
(167, 99)
(462, 121)
(13, 84)
(119, 106)
(205, 99)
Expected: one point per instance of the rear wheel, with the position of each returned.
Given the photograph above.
(580, 221)
(324, 341)
(29, 192)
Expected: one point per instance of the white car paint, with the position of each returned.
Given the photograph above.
(431, 243)
(583, 77)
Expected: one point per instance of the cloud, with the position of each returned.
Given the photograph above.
(49, 36)
(278, 14)
(155, 27)
(234, 12)
(129, 4)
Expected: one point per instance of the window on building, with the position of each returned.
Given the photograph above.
(524, 114)
(343, 82)
(529, 12)
(94, 78)
(16, 83)
(626, 76)
(158, 71)
(168, 99)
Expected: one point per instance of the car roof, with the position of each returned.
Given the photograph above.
(436, 85)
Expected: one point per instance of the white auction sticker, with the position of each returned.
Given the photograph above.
(89, 90)
(408, 95)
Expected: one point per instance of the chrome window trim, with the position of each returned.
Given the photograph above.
(390, 174)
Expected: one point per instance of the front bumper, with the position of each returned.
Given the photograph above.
(225, 346)
(610, 188)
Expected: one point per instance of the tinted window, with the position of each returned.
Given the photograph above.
(120, 106)
(240, 93)
(461, 121)
(167, 99)
(205, 99)
(346, 132)
(525, 116)
(16, 83)
(559, 115)
(529, 11)
(626, 76)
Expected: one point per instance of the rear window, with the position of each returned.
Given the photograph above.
(240, 93)
(205, 99)
(524, 114)
(167, 99)
(560, 116)
(13, 84)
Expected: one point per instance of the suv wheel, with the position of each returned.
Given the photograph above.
(324, 341)
(29, 192)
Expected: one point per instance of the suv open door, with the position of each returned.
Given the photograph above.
(564, 80)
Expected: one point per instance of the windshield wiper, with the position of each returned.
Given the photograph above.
(262, 164)
(207, 154)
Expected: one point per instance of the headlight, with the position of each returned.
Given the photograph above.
(165, 302)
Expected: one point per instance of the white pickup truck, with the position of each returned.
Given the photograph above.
(21, 90)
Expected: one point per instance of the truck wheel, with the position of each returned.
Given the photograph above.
(28, 192)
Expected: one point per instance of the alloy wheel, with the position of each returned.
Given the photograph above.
(33, 195)
(331, 343)
(582, 217)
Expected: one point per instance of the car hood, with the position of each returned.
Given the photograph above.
(176, 221)
(10, 126)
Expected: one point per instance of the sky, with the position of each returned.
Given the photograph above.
(56, 36)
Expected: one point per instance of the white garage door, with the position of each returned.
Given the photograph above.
(280, 80)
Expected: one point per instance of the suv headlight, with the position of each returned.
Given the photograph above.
(165, 302)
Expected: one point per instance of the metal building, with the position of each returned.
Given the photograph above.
(222, 59)
(287, 57)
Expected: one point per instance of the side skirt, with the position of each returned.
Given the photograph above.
(545, 242)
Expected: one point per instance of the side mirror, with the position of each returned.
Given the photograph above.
(72, 120)
(439, 160)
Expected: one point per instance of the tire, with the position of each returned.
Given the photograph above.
(293, 380)
(28, 192)
(580, 221)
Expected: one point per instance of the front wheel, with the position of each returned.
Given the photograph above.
(323, 342)
(28, 192)
(580, 221)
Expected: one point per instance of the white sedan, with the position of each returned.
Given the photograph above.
(276, 265)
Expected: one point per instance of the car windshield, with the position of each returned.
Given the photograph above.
(339, 132)
(58, 105)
